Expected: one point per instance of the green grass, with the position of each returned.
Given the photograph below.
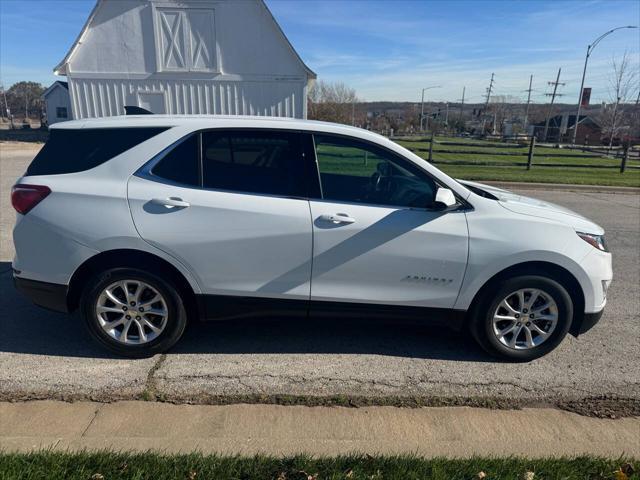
(115, 466)
(491, 167)
(578, 176)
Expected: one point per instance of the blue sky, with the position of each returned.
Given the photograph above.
(389, 50)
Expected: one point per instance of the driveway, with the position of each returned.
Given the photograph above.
(47, 355)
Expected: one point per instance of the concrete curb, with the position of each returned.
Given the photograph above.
(565, 187)
(277, 430)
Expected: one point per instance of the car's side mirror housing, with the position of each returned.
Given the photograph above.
(445, 199)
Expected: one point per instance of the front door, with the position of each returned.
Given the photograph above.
(376, 238)
(236, 218)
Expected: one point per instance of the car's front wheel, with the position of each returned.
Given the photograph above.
(523, 317)
(133, 312)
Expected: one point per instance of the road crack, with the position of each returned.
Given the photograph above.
(150, 392)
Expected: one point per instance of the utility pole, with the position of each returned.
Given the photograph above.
(526, 112)
(486, 105)
(462, 104)
(489, 90)
(446, 115)
(553, 97)
(422, 104)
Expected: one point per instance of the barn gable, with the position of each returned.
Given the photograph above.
(184, 57)
(205, 36)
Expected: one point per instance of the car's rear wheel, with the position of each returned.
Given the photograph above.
(133, 312)
(523, 317)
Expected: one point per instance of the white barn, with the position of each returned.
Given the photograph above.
(226, 57)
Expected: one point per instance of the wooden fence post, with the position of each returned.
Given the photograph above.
(625, 157)
(431, 149)
(530, 156)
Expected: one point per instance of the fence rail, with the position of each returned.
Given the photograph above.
(486, 150)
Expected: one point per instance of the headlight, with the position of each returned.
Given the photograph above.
(596, 241)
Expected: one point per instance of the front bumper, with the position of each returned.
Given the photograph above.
(51, 296)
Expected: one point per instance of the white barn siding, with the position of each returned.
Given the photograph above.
(100, 97)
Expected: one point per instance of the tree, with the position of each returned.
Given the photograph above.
(332, 102)
(25, 98)
(616, 119)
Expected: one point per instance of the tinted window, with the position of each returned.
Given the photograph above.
(253, 161)
(180, 165)
(357, 172)
(76, 150)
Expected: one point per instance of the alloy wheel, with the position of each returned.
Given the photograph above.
(525, 319)
(132, 312)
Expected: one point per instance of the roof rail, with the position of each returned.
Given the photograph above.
(135, 110)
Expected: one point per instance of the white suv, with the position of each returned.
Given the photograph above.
(142, 223)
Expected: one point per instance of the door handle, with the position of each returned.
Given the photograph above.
(337, 218)
(171, 202)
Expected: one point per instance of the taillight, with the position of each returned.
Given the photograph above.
(25, 197)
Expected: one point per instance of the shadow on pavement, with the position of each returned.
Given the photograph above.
(29, 329)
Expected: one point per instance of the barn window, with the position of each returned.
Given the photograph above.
(61, 112)
(185, 39)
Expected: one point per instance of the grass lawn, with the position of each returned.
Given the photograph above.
(108, 466)
(491, 167)
(579, 176)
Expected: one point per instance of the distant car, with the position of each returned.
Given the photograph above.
(145, 222)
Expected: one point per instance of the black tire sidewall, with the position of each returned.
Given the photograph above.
(483, 328)
(176, 321)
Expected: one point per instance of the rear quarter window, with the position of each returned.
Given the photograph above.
(76, 150)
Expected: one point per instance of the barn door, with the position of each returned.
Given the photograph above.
(172, 44)
(185, 39)
(201, 40)
(152, 101)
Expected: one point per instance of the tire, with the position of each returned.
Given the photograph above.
(100, 310)
(487, 330)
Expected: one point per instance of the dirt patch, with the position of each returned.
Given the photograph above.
(602, 407)
(599, 407)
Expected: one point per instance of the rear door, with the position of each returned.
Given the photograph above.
(231, 206)
(376, 238)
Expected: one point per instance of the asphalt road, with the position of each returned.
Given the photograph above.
(48, 355)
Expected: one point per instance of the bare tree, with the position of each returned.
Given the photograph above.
(332, 102)
(623, 85)
(499, 109)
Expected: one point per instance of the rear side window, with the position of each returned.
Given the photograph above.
(180, 165)
(76, 150)
(266, 162)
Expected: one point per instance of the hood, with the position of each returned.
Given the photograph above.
(538, 208)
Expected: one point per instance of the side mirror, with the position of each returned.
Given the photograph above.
(445, 199)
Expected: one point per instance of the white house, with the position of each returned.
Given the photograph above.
(184, 57)
(58, 105)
